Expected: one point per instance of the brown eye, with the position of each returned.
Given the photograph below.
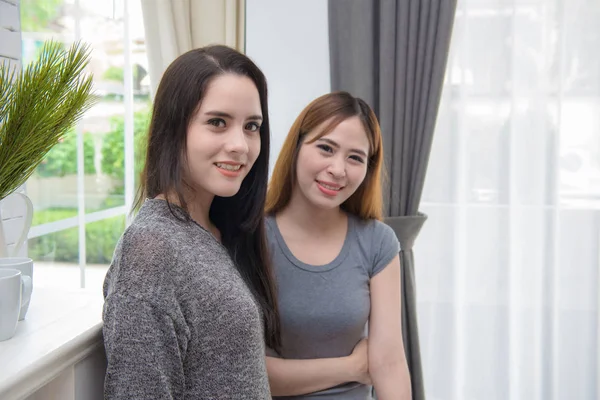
(325, 148)
(217, 122)
(252, 127)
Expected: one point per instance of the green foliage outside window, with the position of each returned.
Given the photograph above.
(62, 159)
(38, 15)
(101, 236)
(113, 145)
(116, 74)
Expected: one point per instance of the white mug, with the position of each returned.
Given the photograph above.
(13, 288)
(25, 265)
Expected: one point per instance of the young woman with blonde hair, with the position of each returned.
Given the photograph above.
(336, 264)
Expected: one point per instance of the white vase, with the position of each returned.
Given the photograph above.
(17, 235)
(3, 244)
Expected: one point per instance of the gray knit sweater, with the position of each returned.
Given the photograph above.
(179, 321)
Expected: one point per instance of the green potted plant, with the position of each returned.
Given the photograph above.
(38, 105)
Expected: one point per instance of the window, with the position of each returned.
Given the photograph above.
(83, 191)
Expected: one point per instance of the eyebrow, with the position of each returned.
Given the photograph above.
(334, 144)
(226, 115)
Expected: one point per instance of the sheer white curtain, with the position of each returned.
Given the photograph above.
(507, 263)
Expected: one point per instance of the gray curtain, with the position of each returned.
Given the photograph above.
(393, 53)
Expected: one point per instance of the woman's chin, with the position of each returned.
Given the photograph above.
(227, 190)
(323, 203)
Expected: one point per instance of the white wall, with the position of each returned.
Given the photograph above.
(289, 41)
(11, 212)
(10, 32)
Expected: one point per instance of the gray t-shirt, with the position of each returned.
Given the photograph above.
(325, 309)
(179, 321)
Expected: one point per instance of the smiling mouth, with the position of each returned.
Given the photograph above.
(330, 186)
(229, 167)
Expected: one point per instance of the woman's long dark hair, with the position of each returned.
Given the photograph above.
(240, 218)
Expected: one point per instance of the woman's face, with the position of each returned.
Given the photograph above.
(223, 138)
(330, 169)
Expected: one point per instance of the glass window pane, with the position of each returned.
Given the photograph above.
(102, 26)
(53, 186)
(56, 258)
(101, 238)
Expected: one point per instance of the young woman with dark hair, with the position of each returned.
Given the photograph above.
(189, 297)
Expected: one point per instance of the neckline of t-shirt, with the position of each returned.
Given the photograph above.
(336, 262)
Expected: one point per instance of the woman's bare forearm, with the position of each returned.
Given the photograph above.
(297, 377)
(388, 386)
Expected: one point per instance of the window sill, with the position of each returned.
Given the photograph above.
(62, 328)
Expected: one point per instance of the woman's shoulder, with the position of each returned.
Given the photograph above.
(146, 237)
(146, 250)
(148, 233)
(158, 226)
(372, 228)
(377, 241)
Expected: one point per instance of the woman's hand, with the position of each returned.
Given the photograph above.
(359, 360)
